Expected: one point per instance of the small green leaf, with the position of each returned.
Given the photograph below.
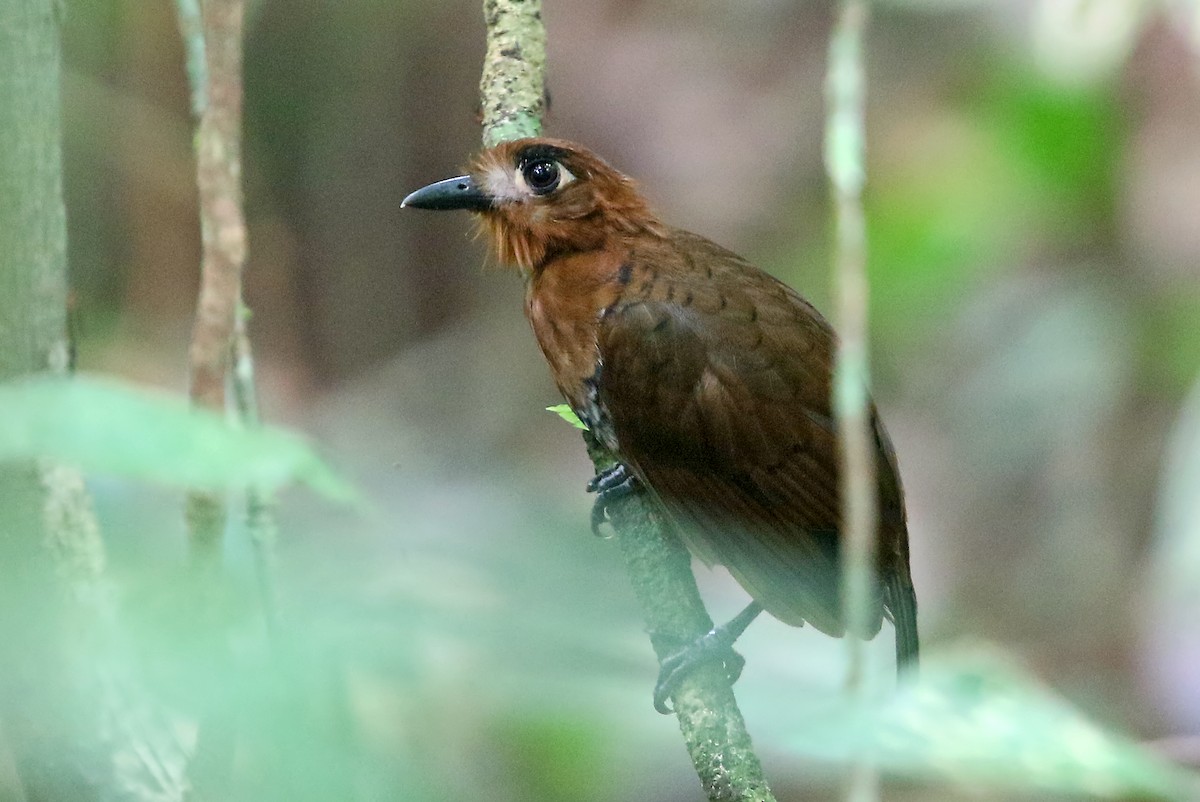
(978, 721)
(105, 426)
(565, 412)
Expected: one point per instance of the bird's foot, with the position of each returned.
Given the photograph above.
(610, 486)
(714, 646)
(711, 647)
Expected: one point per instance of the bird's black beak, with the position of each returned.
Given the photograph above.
(453, 193)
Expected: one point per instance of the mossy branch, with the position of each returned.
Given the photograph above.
(659, 565)
(513, 87)
(660, 569)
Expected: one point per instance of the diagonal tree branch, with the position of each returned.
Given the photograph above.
(660, 568)
(659, 565)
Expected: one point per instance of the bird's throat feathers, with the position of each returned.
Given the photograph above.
(595, 207)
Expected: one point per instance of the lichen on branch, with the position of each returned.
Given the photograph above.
(513, 89)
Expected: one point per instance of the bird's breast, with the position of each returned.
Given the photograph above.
(564, 302)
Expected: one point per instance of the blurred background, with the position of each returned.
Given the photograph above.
(1034, 223)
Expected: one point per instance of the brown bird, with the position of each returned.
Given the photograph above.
(706, 376)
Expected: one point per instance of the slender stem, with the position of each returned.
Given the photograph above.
(191, 29)
(213, 41)
(220, 364)
(222, 222)
(845, 147)
(844, 160)
(223, 232)
(260, 505)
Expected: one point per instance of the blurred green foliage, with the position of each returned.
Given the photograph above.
(557, 757)
(971, 719)
(974, 719)
(105, 426)
(1169, 341)
(1019, 161)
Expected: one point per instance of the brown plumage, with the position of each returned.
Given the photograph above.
(709, 378)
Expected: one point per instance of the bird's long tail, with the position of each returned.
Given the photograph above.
(902, 600)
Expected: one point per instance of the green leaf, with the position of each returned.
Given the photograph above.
(565, 412)
(105, 426)
(980, 722)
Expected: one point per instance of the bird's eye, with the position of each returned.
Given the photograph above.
(542, 176)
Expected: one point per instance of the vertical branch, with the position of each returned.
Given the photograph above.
(260, 507)
(78, 723)
(40, 698)
(222, 229)
(220, 331)
(845, 147)
(191, 30)
(222, 223)
(844, 155)
(658, 564)
(220, 362)
(512, 89)
(33, 223)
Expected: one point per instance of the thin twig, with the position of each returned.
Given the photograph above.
(222, 229)
(845, 147)
(659, 565)
(260, 506)
(218, 149)
(844, 154)
(218, 358)
(222, 222)
(191, 30)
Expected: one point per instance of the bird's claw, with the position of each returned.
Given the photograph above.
(610, 485)
(714, 646)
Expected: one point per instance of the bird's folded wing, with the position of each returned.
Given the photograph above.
(721, 406)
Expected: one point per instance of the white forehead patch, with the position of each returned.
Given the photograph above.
(508, 184)
(505, 184)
